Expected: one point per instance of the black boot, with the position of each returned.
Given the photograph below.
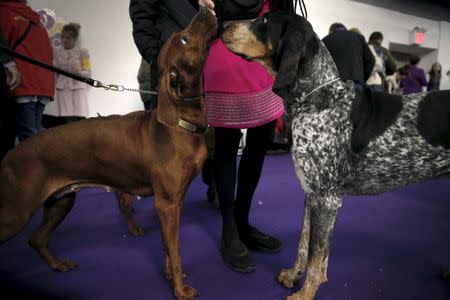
(234, 252)
(253, 238)
(258, 241)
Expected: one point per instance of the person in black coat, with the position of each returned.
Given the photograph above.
(351, 53)
(153, 23)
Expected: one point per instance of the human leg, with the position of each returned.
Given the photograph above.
(25, 120)
(38, 114)
(233, 250)
(250, 167)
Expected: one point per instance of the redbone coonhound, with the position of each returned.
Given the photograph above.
(142, 153)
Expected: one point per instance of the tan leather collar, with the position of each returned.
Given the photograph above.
(192, 127)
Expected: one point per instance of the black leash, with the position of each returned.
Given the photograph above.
(14, 54)
(302, 6)
(87, 80)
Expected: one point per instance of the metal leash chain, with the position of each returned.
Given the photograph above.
(121, 88)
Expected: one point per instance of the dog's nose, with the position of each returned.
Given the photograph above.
(203, 10)
(208, 20)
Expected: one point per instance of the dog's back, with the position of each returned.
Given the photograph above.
(411, 149)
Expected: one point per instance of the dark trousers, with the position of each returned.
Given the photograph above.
(235, 207)
(29, 119)
(377, 88)
(7, 118)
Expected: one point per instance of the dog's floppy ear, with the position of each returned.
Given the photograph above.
(291, 49)
(169, 92)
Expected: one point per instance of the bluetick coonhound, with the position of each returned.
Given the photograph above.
(344, 143)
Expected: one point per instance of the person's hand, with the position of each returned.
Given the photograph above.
(208, 4)
(12, 76)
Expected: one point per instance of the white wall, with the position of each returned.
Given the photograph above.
(106, 32)
(444, 53)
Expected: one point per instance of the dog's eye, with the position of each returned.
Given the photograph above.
(184, 40)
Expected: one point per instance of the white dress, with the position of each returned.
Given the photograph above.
(70, 94)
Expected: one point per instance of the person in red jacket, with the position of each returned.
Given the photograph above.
(22, 29)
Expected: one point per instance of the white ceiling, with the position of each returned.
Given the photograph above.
(438, 10)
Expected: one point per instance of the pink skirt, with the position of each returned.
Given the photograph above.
(238, 93)
(243, 110)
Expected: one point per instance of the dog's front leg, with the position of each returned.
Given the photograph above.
(167, 268)
(55, 210)
(288, 277)
(323, 212)
(168, 212)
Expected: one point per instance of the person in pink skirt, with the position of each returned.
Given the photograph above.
(239, 96)
(71, 95)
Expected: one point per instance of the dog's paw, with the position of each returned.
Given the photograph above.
(286, 278)
(295, 296)
(303, 294)
(136, 230)
(63, 265)
(188, 293)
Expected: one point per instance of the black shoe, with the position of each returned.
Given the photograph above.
(237, 257)
(258, 241)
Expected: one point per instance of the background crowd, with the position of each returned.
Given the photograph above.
(369, 64)
(26, 89)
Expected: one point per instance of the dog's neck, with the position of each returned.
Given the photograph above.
(192, 116)
(314, 77)
(316, 72)
(186, 113)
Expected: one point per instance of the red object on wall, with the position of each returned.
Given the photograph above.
(417, 37)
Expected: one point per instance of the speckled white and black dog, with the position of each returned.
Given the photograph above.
(343, 142)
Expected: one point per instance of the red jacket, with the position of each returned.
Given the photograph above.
(14, 20)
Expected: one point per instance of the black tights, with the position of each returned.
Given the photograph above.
(225, 163)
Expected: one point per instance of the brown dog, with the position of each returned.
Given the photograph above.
(141, 154)
(125, 201)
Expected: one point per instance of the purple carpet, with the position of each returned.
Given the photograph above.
(390, 246)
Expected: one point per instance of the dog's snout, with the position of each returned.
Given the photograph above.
(206, 21)
(203, 11)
